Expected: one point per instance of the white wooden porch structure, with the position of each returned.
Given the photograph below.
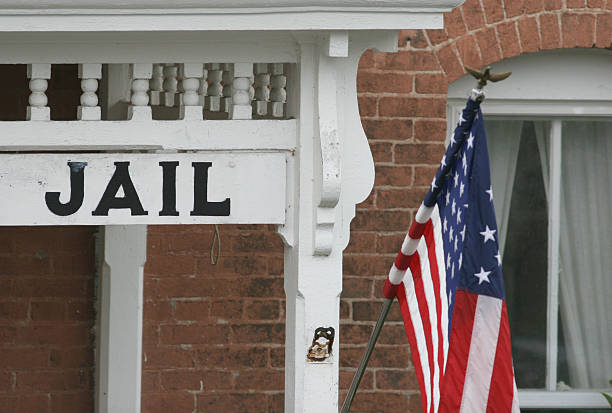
(284, 72)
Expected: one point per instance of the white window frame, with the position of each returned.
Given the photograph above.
(556, 112)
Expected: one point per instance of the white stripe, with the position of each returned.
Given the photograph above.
(396, 275)
(433, 318)
(423, 214)
(515, 402)
(482, 355)
(410, 245)
(419, 333)
(437, 226)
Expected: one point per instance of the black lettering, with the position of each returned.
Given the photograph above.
(77, 192)
(169, 189)
(201, 205)
(120, 179)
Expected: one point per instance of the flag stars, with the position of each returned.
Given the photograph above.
(448, 261)
(453, 207)
(488, 234)
(470, 141)
(450, 234)
(433, 184)
(458, 216)
(464, 164)
(447, 197)
(450, 298)
(490, 192)
(445, 224)
(460, 260)
(461, 189)
(456, 179)
(443, 163)
(456, 241)
(461, 119)
(499, 259)
(482, 276)
(463, 234)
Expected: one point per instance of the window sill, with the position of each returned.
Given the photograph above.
(562, 399)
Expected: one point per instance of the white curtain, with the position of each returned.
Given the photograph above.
(504, 139)
(585, 280)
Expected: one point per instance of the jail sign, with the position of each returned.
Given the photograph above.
(102, 189)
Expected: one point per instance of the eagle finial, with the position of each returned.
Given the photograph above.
(483, 76)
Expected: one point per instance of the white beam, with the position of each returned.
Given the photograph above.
(119, 344)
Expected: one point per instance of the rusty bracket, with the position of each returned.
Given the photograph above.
(321, 347)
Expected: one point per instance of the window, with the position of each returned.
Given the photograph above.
(550, 143)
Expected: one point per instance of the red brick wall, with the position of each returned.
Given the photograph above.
(213, 335)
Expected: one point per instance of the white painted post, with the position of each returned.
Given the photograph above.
(38, 73)
(241, 97)
(190, 74)
(120, 300)
(140, 75)
(156, 85)
(89, 74)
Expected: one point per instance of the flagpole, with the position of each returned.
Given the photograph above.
(366, 356)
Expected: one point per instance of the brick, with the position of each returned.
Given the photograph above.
(258, 333)
(596, 4)
(369, 311)
(17, 264)
(192, 310)
(71, 357)
(400, 198)
(390, 243)
(157, 311)
(551, 5)
(454, 24)
(356, 333)
(376, 402)
(367, 105)
(398, 107)
(194, 334)
(366, 61)
(13, 310)
(604, 30)
(169, 358)
(54, 380)
(489, 47)
(514, 8)
(166, 265)
(226, 310)
(426, 130)
(384, 356)
(575, 4)
(196, 380)
(346, 377)
(176, 401)
(450, 63)
(367, 265)
(262, 310)
(382, 151)
(150, 382)
(361, 242)
(549, 29)
(436, 36)
(508, 39)
(276, 402)
(7, 334)
(258, 242)
(381, 221)
(494, 10)
(418, 40)
(356, 287)
(191, 287)
(6, 381)
(473, 15)
(54, 334)
(240, 402)
(80, 311)
(468, 50)
(431, 83)
(388, 129)
(529, 34)
(533, 6)
(424, 153)
(277, 357)
(423, 175)
(24, 358)
(376, 82)
(24, 403)
(416, 60)
(261, 380)
(393, 176)
(345, 310)
(396, 380)
(578, 30)
(48, 311)
(262, 287)
(232, 357)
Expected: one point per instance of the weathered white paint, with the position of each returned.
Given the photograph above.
(254, 182)
(119, 327)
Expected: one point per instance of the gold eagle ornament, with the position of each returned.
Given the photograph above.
(483, 76)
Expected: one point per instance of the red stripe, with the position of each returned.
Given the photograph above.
(390, 290)
(501, 391)
(419, 289)
(416, 229)
(435, 277)
(403, 261)
(414, 350)
(458, 351)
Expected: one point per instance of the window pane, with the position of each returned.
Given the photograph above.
(525, 253)
(585, 279)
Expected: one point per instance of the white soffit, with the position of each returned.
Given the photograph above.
(190, 15)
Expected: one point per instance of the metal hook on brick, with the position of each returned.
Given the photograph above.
(216, 240)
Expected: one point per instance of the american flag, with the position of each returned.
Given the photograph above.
(449, 283)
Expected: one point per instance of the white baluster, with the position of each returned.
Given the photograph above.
(278, 94)
(156, 85)
(262, 93)
(38, 73)
(241, 97)
(170, 85)
(89, 73)
(203, 89)
(228, 78)
(215, 89)
(140, 74)
(190, 74)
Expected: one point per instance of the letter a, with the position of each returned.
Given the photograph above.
(120, 179)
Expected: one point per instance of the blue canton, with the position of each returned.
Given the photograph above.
(462, 190)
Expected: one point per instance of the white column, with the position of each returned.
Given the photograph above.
(120, 303)
(191, 74)
(89, 74)
(140, 73)
(39, 74)
(241, 94)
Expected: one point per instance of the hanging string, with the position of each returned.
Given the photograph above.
(216, 240)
